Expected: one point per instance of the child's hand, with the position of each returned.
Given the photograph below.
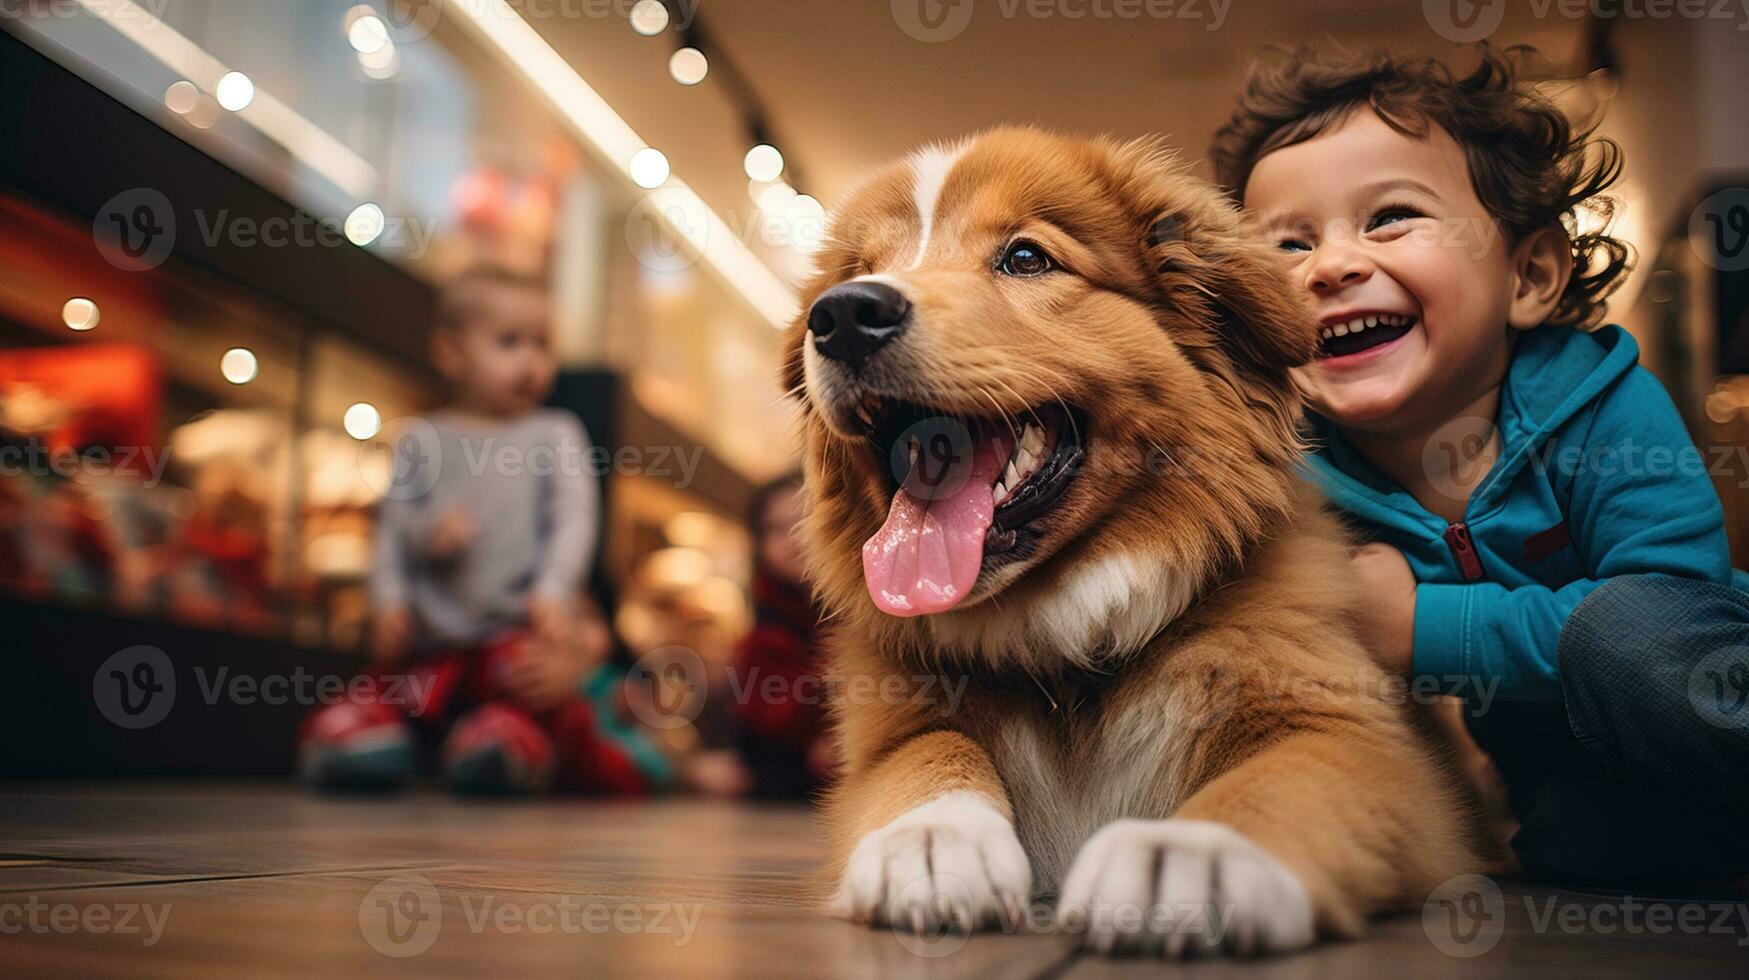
(544, 674)
(391, 629)
(1386, 618)
(554, 621)
(453, 534)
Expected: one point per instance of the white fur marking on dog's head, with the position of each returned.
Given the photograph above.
(883, 279)
(929, 169)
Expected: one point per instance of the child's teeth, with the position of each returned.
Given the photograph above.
(1360, 323)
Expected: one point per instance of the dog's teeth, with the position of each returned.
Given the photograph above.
(1011, 476)
(1001, 492)
(1033, 439)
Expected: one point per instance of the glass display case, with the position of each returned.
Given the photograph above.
(174, 445)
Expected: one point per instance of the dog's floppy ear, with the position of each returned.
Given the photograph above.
(1233, 310)
(1233, 290)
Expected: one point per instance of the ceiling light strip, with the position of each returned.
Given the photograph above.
(525, 52)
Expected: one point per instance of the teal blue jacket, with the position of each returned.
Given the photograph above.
(1597, 477)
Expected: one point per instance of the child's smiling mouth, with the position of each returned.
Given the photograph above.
(1350, 334)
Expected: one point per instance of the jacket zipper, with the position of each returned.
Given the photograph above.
(1457, 537)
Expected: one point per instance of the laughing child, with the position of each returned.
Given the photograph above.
(1544, 540)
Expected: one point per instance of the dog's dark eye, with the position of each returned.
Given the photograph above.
(1025, 258)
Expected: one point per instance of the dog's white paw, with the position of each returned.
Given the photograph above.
(1172, 887)
(953, 862)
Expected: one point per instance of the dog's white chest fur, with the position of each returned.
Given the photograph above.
(1134, 771)
(1108, 608)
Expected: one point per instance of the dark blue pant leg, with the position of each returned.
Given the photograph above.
(1637, 781)
(1655, 674)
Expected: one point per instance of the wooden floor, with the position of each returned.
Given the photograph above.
(228, 879)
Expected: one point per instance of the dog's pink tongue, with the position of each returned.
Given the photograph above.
(925, 558)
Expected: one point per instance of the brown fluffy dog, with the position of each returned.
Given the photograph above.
(1051, 443)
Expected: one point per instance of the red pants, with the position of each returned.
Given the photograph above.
(435, 692)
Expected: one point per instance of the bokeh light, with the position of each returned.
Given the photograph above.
(80, 314)
(235, 91)
(362, 421)
(239, 365)
(649, 168)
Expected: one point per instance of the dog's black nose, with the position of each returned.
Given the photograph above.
(852, 320)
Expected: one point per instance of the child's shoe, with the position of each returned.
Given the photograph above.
(358, 747)
(498, 751)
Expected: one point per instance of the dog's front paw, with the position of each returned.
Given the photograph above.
(1171, 887)
(953, 862)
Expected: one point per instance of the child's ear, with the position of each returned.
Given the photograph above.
(1542, 263)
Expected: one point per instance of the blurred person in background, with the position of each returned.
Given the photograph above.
(684, 687)
(481, 547)
(604, 685)
(784, 736)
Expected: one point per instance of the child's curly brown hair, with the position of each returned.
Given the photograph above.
(1531, 167)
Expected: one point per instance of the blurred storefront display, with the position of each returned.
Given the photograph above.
(251, 371)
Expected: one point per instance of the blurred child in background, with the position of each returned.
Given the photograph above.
(482, 543)
(784, 736)
(683, 687)
(605, 688)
